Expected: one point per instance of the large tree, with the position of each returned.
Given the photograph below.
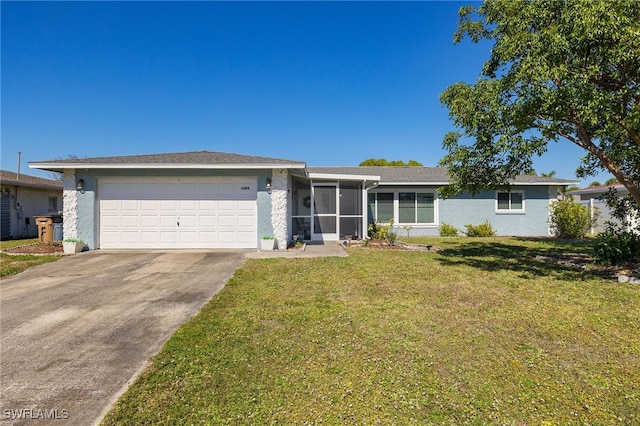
(558, 71)
(385, 162)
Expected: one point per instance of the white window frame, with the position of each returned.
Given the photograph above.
(396, 206)
(511, 210)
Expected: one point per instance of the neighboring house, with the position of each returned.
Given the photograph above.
(593, 198)
(219, 200)
(22, 198)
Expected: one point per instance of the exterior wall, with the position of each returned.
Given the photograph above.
(279, 207)
(70, 200)
(25, 203)
(467, 209)
(88, 208)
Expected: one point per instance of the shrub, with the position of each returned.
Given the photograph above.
(483, 230)
(615, 245)
(447, 230)
(378, 231)
(570, 220)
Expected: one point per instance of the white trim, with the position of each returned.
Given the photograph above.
(250, 166)
(523, 210)
(343, 177)
(396, 206)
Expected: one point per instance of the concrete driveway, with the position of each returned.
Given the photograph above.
(74, 333)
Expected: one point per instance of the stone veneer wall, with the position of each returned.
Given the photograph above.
(279, 186)
(69, 204)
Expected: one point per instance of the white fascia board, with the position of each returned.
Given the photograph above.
(333, 176)
(413, 183)
(544, 183)
(124, 166)
(441, 183)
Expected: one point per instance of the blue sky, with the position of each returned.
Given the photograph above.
(329, 83)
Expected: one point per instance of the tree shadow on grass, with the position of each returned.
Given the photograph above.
(546, 258)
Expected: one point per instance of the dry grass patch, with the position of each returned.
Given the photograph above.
(478, 333)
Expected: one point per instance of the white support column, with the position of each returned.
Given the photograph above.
(279, 221)
(69, 204)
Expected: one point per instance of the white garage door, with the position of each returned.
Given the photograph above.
(178, 213)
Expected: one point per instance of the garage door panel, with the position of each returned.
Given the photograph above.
(130, 221)
(149, 237)
(168, 237)
(245, 221)
(226, 221)
(130, 205)
(168, 205)
(207, 205)
(151, 205)
(188, 221)
(208, 237)
(178, 212)
(110, 221)
(189, 205)
(247, 237)
(168, 221)
(207, 221)
(129, 237)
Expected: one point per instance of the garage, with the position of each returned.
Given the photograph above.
(177, 212)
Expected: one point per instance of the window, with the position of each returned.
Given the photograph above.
(53, 204)
(416, 207)
(380, 207)
(412, 207)
(509, 202)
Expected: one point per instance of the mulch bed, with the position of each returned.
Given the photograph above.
(37, 248)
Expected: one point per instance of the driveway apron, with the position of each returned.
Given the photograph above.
(74, 333)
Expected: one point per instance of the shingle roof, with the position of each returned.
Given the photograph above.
(196, 157)
(12, 178)
(418, 175)
(599, 189)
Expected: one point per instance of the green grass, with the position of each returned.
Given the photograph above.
(14, 264)
(479, 333)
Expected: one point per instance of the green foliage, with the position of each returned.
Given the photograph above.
(569, 219)
(447, 230)
(611, 181)
(385, 162)
(616, 245)
(557, 70)
(483, 230)
(379, 231)
(480, 333)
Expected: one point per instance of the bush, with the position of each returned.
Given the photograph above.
(570, 220)
(483, 230)
(615, 245)
(378, 231)
(447, 230)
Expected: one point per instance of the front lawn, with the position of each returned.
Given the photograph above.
(480, 332)
(13, 264)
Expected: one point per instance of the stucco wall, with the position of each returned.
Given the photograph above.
(26, 203)
(279, 209)
(88, 208)
(466, 209)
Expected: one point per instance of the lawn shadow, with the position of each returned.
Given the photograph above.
(539, 257)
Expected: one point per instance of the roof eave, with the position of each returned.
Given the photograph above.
(339, 176)
(130, 166)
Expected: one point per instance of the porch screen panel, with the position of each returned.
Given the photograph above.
(350, 200)
(324, 224)
(425, 208)
(407, 207)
